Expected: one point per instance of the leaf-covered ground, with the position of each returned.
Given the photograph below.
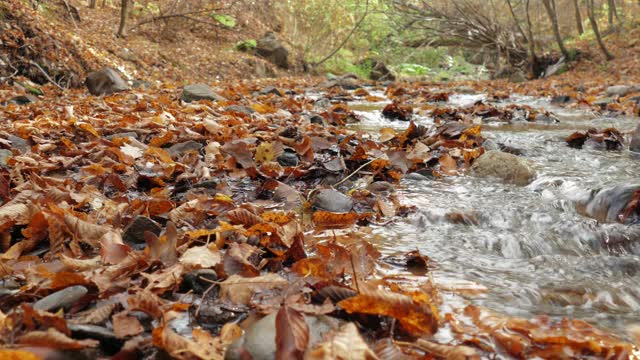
(136, 225)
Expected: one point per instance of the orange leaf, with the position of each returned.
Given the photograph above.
(331, 220)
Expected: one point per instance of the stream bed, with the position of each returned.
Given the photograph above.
(532, 251)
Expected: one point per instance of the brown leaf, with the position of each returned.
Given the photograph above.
(125, 325)
(448, 165)
(199, 257)
(415, 313)
(238, 289)
(292, 334)
(345, 344)
(55, 339)
(244, 217)
(330, 220)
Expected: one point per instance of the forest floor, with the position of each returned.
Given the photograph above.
(140, 225)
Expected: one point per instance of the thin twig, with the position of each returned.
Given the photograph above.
(46, 75)
(354, 172)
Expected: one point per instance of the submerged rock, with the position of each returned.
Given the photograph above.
(333, 200)
(104, 82)
(621, 90)
(614, 204)
(508, 167)
(634, 145)
(259, 340)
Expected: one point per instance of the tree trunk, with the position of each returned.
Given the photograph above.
(550, 6)
(124, 11)
(92, 4)
(610, 13)
(578, 18)
(532, 44)
(594, 26)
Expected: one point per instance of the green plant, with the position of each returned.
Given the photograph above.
(246, 45)
(225, 20)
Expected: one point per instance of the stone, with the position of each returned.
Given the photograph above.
(240, 109)
(108, 340)
(380, 72)
(517, 77)
(183, 147)
(259, 340)
(609, 204)
(508, 167)
(140, 84)
(23, 99)
(270, 48)
(561, 99)
(197, 92)
(333, 200)
(634, 145)
(104, 82)
(288, 158)
(381, 187)
(546, 119)
(5, 155)
(489, 145)
(316, 119)
(270, 90)
(415, 177)
(621, 90)
(19, 144)
(134, 232)
(198, 280)
(602, 102)
(128, 134)
(64, 298)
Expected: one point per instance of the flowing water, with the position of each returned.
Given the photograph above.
(530, 248)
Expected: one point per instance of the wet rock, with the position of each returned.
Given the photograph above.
(259, 339)
(140, 84)
(602, 102)
(19, 143)
(198, 281)
(416, 177)
(270, 48)
(109, 342)
(379, 187)
(634, 145)
(322, 104)
(183, 147)
(545, 119)
(240, 109)
(489, 145)
(288, 158)
(134, 232)
(613, 204)
(104, 82)
(316, 119)
(508, 167)
(212, 315)
(333, 200)
(561, 99)
(270, 90)
(64, 298)
(23, 99)
(197, 92)
(5, 156)
(347, 82)
(517, 77)
(621, 90)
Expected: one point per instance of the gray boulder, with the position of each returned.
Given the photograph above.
(270, 48)
(621, 90)
(333, 200)
(612, 204)
(104, 82)
(259, 340)
(197, 92)
(634, 145)
(508, 167)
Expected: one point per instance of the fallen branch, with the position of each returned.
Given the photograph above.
(46, 75)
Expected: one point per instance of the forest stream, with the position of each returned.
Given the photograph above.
(530, 249)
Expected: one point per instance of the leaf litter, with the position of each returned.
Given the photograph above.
(162, 211)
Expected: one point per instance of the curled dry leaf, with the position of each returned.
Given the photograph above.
(415, 312)
(199, 257)
(244, 217)
(55, 339)
(292, 334)
(345, 344)
(238, 289)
